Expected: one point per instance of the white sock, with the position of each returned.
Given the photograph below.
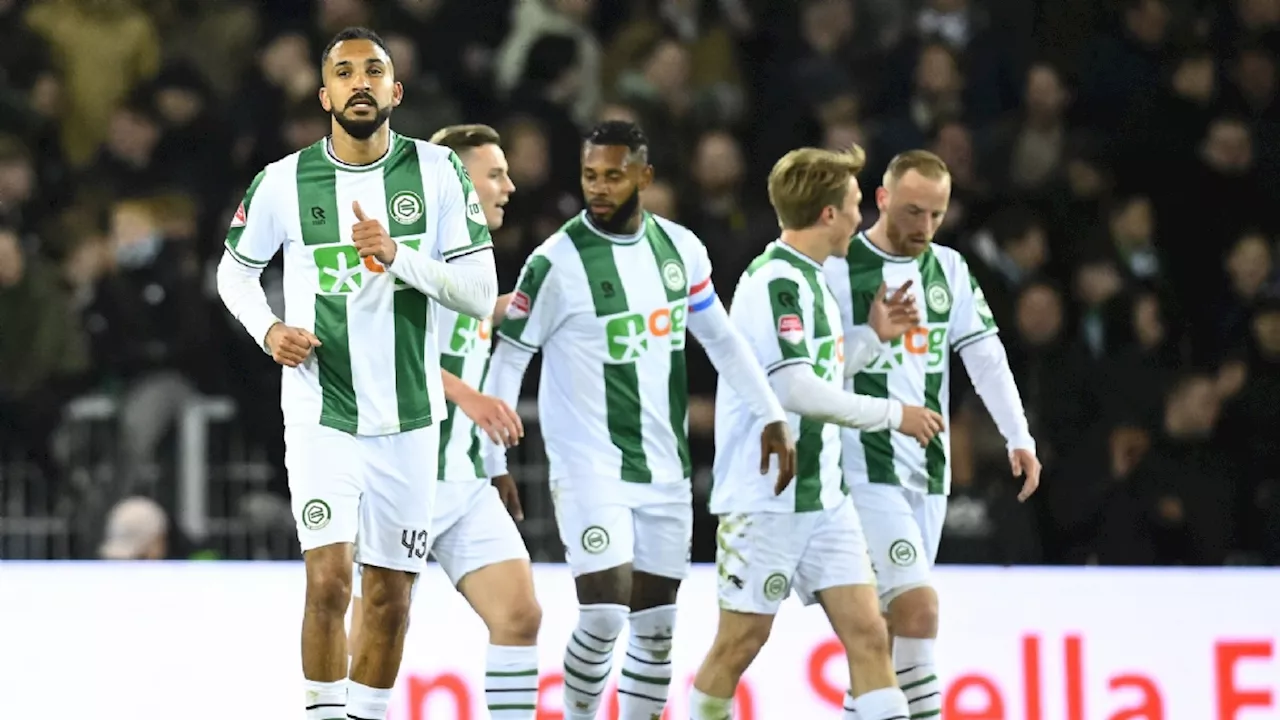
(913, 661)
(883, 704)
(511, 682)
(326, 700)
(850, 712)
(367, 703)
(646, 669)
(588, 658)
(705, 707)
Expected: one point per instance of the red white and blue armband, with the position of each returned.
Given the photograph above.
(701, 296)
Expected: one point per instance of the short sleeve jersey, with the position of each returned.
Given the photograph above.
(377, 371)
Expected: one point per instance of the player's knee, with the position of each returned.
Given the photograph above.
(387, 595)
(737, 644)
(517, 624)
(328, 589)
(914, 613)
(865, 636)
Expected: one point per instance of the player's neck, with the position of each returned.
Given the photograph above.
(811, 245)
(360, 152)
(879, 236)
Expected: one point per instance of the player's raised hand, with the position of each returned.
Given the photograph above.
(370, 238)
(495, 417)
(1025, 462)
(776, 440)
(290, 346)
(891, 317)
(920, 424)
(510, 495)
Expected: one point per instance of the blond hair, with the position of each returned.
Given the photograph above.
(925, 163)
(805, 181)
(465, 137)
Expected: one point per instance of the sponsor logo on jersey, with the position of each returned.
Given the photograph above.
(673, 276)
(791, 329)
(475, 211)
(627, 335)
(938, 298)
(519, 306)
(406, 207)
(240, 218)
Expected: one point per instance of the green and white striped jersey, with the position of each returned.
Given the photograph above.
(609, 314)
(782, 306)
(916, 368)
(377, 371)
(464, 351)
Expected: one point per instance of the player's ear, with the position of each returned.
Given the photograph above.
(882, 198)
(324, 100)
(397, 94)
(646, 177)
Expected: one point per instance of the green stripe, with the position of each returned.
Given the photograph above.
(935, 456)
(621, 379)
(651, 679)
(935, 285)
(510, 673)
(402, 179)
(414, 405)
(784, 299)
(666, 255)
(918, 683)
(493, 708)
(810, 445)
(318, 197)
(337, 391)
(452, 364)
(477, 228)
(473, 452)
(246, 260)
(926, 714)
(866, 273)
(532, 276)
(234, 233)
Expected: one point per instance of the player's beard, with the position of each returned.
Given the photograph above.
(362, 129)
(616, 224)
(901, 244)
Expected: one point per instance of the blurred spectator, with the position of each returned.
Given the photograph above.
(532, 20)
(137, 529)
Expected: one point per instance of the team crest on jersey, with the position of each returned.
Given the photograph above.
(475, 211)
(938, 298)
(519, 306)
(238, 220)
(406, 207)
(791, 329)
(673, 276)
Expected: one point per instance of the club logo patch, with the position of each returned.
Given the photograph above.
(673, 276)
(775, 587)
(902, 553)
(938, 298)
(595, 539)
(316, 514)
(405, 207)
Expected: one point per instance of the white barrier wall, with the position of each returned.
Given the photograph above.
(215, 640)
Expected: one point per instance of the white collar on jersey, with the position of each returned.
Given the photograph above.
(797, 253)
(621, 239)
(333, 158)
(862, 238)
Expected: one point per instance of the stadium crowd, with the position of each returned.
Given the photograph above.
(1113, 162)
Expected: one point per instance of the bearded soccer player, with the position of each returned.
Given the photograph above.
(378, 230)
(608, 300)
(474, 538)
(899, 488)
(803, 536)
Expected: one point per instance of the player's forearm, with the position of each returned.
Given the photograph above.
(240, 288)
(506, 374)
(861, 346)
(733, 358)
(802, 393)
(455, 390)
(988, 368)
(468, 284)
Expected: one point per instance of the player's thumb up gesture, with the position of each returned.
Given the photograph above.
(920, 424)
(290, 346)
(370, 238)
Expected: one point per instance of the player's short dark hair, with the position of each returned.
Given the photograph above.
(621, 132)
(353, 33)
(466, 137)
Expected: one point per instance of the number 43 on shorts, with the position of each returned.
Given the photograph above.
(415, 541)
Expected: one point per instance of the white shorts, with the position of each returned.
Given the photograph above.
(473, 530)
(904, 528)
(762, 556)
(374, 491)
(605, 524)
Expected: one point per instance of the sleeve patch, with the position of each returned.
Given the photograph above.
(240, 218)
(520, 306)
(791, 329)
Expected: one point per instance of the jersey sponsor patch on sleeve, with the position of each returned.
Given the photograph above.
(475, 211)
(791, 329)
(519, 307)
(241, 216)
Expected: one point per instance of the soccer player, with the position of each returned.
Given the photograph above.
(608, 299)
(377, 228)
(899, 488)
(776, 537)
(474, 537)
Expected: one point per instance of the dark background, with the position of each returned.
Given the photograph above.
(1115, 170)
